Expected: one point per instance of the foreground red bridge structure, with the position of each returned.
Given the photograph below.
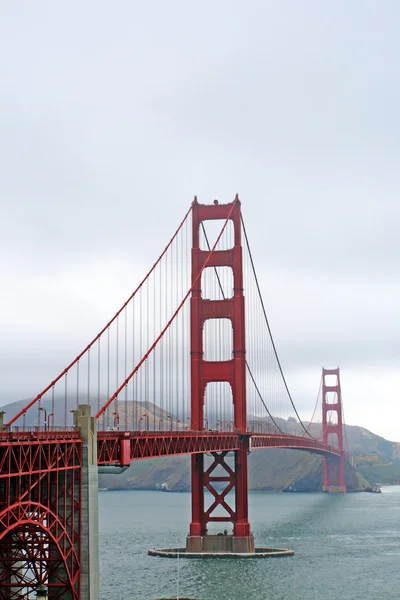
(182, 368)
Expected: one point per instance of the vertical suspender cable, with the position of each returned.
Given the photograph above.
(126, 367)
(247, 364)
(98, 375)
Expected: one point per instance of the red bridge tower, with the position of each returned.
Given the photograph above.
(232, 371)
(332, 431)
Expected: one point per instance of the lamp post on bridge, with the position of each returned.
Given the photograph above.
(2, 413)
(41, 408)
(116, 420)
(170, 422)
(51, 415)
(146, 417)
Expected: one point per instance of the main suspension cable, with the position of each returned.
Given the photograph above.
(170, 321)
(344, 423)
(247, 364)
(315, 405)
(106, 328)
(269, 329)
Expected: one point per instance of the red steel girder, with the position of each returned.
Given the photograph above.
(260, 440)
(40, 506)
(152, 444)
(58, 455)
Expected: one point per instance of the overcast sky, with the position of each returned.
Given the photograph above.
(114, 114)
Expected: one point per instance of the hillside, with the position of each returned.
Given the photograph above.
(269, 469)
(376, 459)
(132, 415)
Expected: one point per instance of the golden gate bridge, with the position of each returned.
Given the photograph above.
(187, 365)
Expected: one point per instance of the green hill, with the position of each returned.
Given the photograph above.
(269, 469)
(375, 459)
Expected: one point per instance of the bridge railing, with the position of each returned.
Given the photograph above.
(35, 432)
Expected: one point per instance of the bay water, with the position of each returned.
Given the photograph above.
(347, 547)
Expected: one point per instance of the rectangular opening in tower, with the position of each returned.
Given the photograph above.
(331, 379)
(331, 397)
(209, 232)
(332, 417)
(218, 406)
(218, 340)
(217, 283)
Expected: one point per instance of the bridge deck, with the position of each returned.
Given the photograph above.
(121, 447)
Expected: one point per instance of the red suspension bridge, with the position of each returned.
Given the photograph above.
(188, 365)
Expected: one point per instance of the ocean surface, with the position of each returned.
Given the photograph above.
(347, 547)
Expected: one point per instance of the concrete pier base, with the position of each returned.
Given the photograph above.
(220, 546)
(262, 552)
(220, 543)
(90, 585)
(334, 489)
